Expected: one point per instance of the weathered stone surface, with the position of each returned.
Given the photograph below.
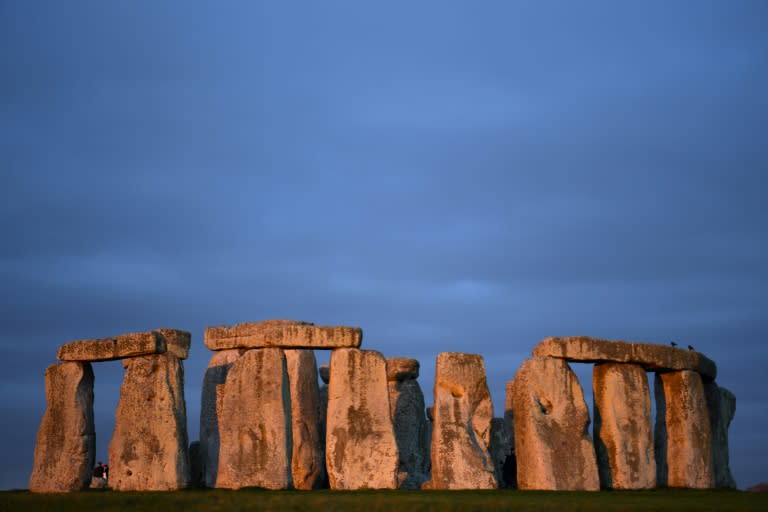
(502, 441)
(648, 355)
(361, 450)
(210, 411)
(126, 345)
(308, 455)
(149, 447)
(66, 439)
(683, 438)
(623, 432)
(461, 434)
(721, 405)
(177, 342)
(283, 334)
(552, 446)
(255, 423)
(406, 405)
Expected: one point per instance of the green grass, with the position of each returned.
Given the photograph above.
(373, 501)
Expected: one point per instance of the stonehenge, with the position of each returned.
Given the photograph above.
(266, 421)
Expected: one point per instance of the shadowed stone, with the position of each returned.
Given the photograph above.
(283, 334)
(196, 475)
(406, 404)
(683, 438)
(502, 442)
(255, 423)
(149, 447)
(461, 434)
(721, 405)
(553, 448)
(210, 411)
(177, 342)
(66, 439)
(650, 356)
(623, 435)
(308, 454)
(361, 450)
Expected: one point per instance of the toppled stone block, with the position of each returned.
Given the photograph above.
(282, 334)
(650, 356)
(66, 440)
(361, 449)
(461, 434)
(132, 344)
(721, 405)
(406, 405)
(149, 447)
(623, 433)
(553, 448)
(683, 436)
(255, 423)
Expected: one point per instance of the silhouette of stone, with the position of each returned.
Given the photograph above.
(721, 405)
(283, 334)
(196, 474)
(255, 423)
(683, 437)
(308, 453)
(210, 411)
(461, 434)
(66, 439)
(149, 447)
(650, 356)
(623, 433)
(325, 373)
(502, 442)
(406, 404)
(552, 446)
(361, 450)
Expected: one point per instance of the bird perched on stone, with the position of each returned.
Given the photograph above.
(690, 347)
(673, 343)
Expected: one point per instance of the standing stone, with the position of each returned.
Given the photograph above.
(210, 411)
(721, 404)
(683, 439)
(502, 442)
(623, 435)
(406, 405)
(308, 454)
(461, 434)
(255, 423)
(196, 475)
(361, 449)
(509, 469)
(66, 439)
(149, 447)
(325, 376)
(553, 448)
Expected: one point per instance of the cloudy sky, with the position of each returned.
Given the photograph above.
(450, 176)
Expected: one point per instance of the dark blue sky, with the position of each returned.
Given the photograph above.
(450, 176)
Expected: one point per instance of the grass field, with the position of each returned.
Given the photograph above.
(374, 501)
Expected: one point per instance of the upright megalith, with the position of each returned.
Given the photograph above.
(461, 434)
(255, 423)
(553, 448)
(502, 441)
(66, 439)
(210, 411)
(683, 436)
(721, 404)
(406, 405)
(623, 432)
(149, 450)
(361, 449)
(308, 454)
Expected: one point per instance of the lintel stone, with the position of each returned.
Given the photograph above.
(282, 334)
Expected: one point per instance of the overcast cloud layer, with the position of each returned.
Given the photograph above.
(469, 176)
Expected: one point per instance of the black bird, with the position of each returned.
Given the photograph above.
(673, 343)
(690, 347)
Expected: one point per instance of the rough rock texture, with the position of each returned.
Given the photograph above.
(126, 345)
(461, 433)
(502, 441)
(553, 448)
(623, 432)
(648, 355)
(721, 405)
(66, 439)
(308, 455)
(149, 447)
(282, 333)
(406, 405)
(683, 438)
(255, 423)
(361, 449)
(177, 342)
(210, 411)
